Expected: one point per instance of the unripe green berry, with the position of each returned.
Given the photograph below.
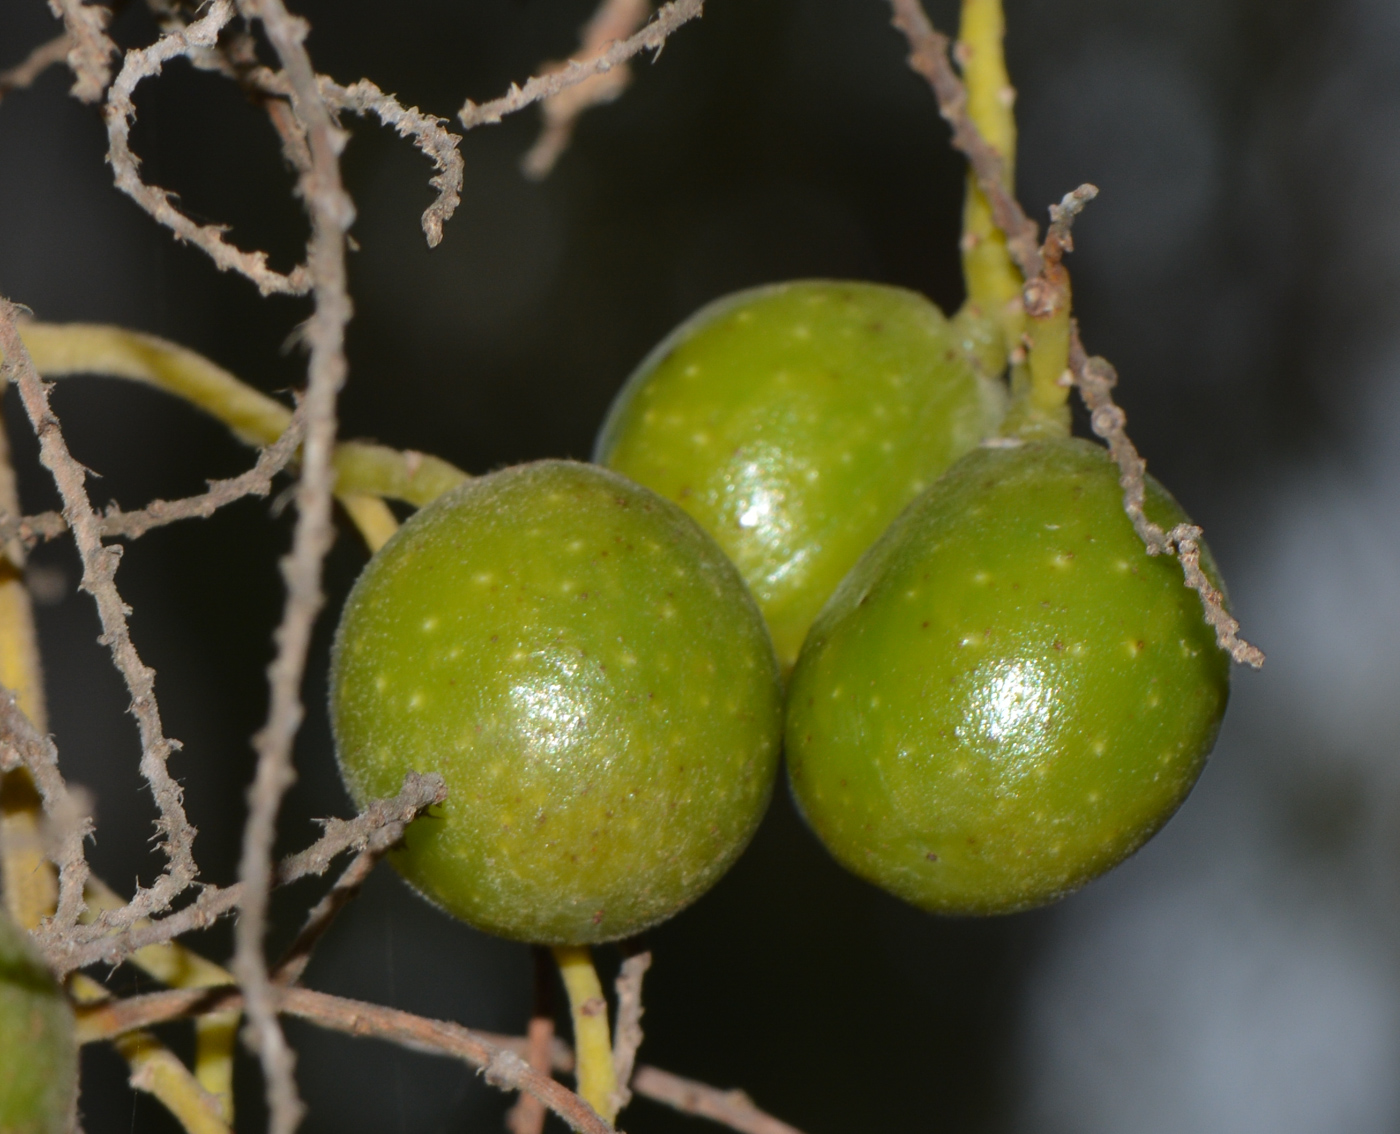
(1007, 695)
(588, 673)
(794, 422)
(38, 1053)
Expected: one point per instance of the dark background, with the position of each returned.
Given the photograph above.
(1240, 269)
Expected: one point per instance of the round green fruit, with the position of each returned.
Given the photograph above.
(588, 673)
(794, 422)
(38, 1053)
(1007, 696)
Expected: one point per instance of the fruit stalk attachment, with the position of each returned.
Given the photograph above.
(597, 1077)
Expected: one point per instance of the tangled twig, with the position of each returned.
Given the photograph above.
(99, 571)
(115, 523)
(23, 745)
(120, 112)
(652, 37)
(381, 824)
(1095, 377)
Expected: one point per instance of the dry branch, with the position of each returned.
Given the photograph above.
(437, 1037)
(653, 36)
(528, 1114)
(729, 1108)
(34, 64)
(120, 112)
(1095, 377)
(117, 524)
(614, 21)
(332, 213)
(381, 824)
(90, 50)
(628, 1032)
(428, 134)
(23, 745)
(99, 570)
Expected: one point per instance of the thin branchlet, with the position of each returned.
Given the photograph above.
(651, 37)
(1095, 378)
(114, 523)
(613, 22)
(627, 1034)
(379, 826)
(22, 74)
(99, 571)
(500, 1058)
(332, 213)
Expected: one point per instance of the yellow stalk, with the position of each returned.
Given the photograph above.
(593, 1054)
(992, 278)
(216, 1034)
(362, 469)
(156, 1070)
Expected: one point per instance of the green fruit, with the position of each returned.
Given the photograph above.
(587, 672)
(38, 1053)
(1007, 696)
(794, 422)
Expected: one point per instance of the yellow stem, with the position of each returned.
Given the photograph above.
(992, 278)
(29, 880)
(158, 1071)
(597, 1078)
(172, 964)
(362, 469)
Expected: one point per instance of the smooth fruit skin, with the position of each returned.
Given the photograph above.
(1007, 696)
(794, 422)
(590, 676)
(38, 1052)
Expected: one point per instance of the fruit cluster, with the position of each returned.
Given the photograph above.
(987, 691)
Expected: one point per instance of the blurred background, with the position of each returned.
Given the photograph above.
(1241, 268)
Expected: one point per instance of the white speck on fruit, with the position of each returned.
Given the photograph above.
(1098, 747)
(484, 578)
(981, 578)
(417, 701)
(692, 370)
(381, 683)
(575, 545)
(802, 331)
(1063, 560)
(700, 438)
(430, 624)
